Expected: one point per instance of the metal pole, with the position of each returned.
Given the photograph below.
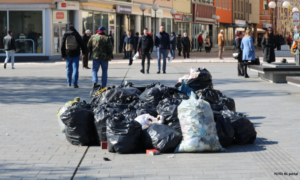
(128, 21)
(143, 22)
(276, 17)
(155, 25)
(285, 24)
(272, 19)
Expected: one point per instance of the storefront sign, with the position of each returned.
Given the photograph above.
(159, 13)
(68, 5)
(124, 9)
(60, 17)
(296, 18)
(187, 18)
(238, 21)
(178, 17)
(266, 25)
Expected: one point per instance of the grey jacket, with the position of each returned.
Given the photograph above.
(9, 43)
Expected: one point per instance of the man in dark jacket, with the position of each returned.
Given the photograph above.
(146, 45)
(10, 48)
(122, 42)
(85, 38)
(128, 46)
(179, 46)
(185, 42)
(70, 52)
(162, 43)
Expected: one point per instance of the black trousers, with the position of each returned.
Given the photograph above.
(144, 55)
(199, 46)
(85, 60)
(186, 52)
(240, 68)
(179, 51)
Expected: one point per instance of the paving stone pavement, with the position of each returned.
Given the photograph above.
(35, 149)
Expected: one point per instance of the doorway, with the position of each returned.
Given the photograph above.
(58, 34)
(120, 29)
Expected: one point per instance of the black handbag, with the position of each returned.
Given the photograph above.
(256, 61)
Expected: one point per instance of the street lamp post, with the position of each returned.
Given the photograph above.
(272, 5)
(173, 12)
(285, 5)
(143, 7)
(128, 17)
(217, 18)
(155, 7)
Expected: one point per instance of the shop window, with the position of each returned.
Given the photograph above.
(97, 20)
(111, 19)
(265, 5)
(104, 21)
(87, 21)
(3, 29)
(169, 26)
(27, 27)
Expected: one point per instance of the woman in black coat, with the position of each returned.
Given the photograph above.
(178, 42)
(238, 42)
(269, 44)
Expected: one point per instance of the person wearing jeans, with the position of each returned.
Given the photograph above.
(129, 46)
(72, 67)
(10, 48)
(173, 44)
(101, 47)
(162, 43)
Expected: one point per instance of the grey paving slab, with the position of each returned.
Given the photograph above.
(35, 149)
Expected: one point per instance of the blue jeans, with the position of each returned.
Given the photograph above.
(10, 55)
(72, 66)
(129, 55)
(104, 66)
(173, 53)
(164, 52)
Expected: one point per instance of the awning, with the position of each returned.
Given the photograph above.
(258, 30)
(240, 25)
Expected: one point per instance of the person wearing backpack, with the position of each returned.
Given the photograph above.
(70, 52)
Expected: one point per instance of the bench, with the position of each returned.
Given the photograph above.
(276, 72)
(293, 80)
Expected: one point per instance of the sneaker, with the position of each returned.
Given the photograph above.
(142, 71)
(130, 63)
(246, 76)
(94, 85)
(164, 72)
(158, 72)
(76, 86)
(4, 65)
(69, 85)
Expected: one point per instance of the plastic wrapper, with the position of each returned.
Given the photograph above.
(162, 137)
(224, 129)
(244, 131)
(146, 119)
(62, 110)
(102, 114)
(185, 89)
(154, 94)
(124, 135)
(198, 126)
(80, 129)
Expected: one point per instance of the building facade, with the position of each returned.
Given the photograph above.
(39, 25)
(183, 17)
(204, 21)
(254, 17)
(224, 11)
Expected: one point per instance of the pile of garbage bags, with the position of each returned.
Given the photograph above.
(190, 117)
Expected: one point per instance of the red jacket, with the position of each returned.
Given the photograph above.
(200, 39)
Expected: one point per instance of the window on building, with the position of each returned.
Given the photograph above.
(238, 9)
(229, 4)
(87, 21)
(169, 26)
(3, 29)
(225, 4)
(27, 25)
(246, 8)
(242, 7)
(265, 5)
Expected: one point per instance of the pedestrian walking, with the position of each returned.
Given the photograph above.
(129, 46)
(113, 44)
(186, 45)
(146, 46)
(10, 48)
(162, 43)
(122, 42)
(247, 46)
(238, 42)
(221, 43)
(173, 44)
(70, 52)
(280, 40)
(269, 43)
(289, 41)
(85, 38)
(207, 44)
(136, 39)
(101, 49)
(179, 46)
(200, 42)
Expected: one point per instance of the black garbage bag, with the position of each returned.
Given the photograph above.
(153, 94)
(168, 109)
(102, 114)
(224, 100)
(176, 94)
(244, 131)
(119, 95)
(80, 129)
(145, 108)
(204, 80)
(224, 129)
(163, 138)
(123, 135)
(209, 95)
(93, 91)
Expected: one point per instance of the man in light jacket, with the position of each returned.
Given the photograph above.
(10, 48)
(129, 46)
(221, 43)
(162, 43)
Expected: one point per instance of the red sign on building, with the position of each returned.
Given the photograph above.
(178, 17)
(60, 15)
(63, 4)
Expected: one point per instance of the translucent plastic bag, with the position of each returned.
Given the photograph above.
(198, 127)
(169, 57)
(136, 56)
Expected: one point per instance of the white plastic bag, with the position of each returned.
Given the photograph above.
(169, 57)
(146, 119)
(136, 56)
(198, 127)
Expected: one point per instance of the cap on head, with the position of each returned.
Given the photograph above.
(102, 28)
